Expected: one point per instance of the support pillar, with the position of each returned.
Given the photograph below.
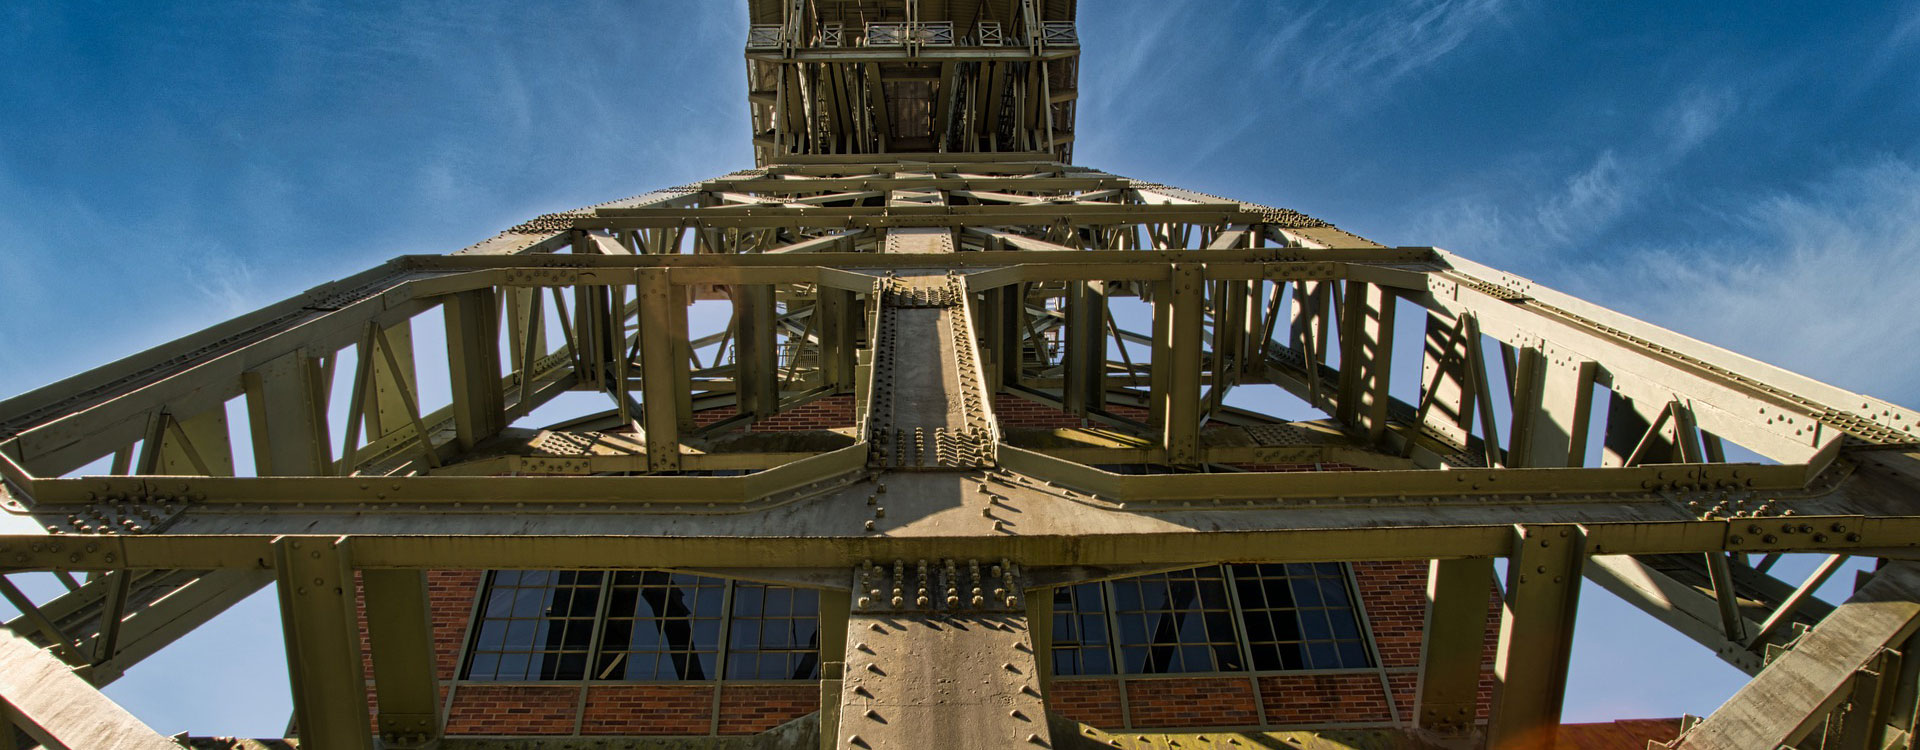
(286, 404)
(323, 643)
(1450, 663)
(663, 366)
(1366, 353)
(1536, 636)
(1183, 330)
(400, 635)
(473, 363)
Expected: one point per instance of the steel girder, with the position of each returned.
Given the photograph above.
(1133, 307)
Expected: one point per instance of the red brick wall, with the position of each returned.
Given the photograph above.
(1014, 411)
(822, 413)
(513, 709)
(1395, 596)
(1095, 702)
(1309, 699)
(1192, 702)
(751, 709)
(648, 709)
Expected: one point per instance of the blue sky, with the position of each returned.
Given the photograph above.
(1747, 173)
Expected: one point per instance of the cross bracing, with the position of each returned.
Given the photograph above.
(1494, 418)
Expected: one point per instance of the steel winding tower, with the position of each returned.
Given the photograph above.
(917, 243)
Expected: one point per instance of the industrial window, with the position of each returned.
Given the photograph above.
(775, 633)
(1082, 639)
(1299, 616)
(1219, 618)
(641, 626)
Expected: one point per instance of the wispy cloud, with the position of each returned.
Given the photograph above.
(1823, 280)
(1501, 224)
(1358, 58)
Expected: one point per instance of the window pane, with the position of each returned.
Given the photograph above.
(773, 634)
(662, 628)
(1177, 622)
(534, 625)
(1080, 630)
(1306, 620)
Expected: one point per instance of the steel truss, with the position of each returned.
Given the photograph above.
(928, 289)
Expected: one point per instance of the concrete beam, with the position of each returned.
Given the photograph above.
(1790, 699)
(42, 696)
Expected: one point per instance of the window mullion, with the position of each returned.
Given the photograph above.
(600, 611)
(1239, 614)
(1107, 602)
(723, 651)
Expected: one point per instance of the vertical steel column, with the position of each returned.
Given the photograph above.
(1536, 636)
(663, 367)
(1086, 351)
(1455, 647)
(473, 364)
(756, 374)
(1552, 409)
(1181, 433)
(1366, 357)
(286, 405)
(400, 635)
(834, 309)
(323, 642)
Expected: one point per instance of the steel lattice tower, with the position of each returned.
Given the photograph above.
(917, 248)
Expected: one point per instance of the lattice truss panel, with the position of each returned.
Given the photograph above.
(880, 76)
(1477, 412)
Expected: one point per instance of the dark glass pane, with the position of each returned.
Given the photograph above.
(512, 667)
(1292, 656)
(1196, 659)
(1126, 596)
(1251, 595)
(520, 634)
(1278, 594)
(747, 601)
(1286, 626)
(1226, 658)
(1133, 629)
(1096, 661)
(1220, 626)
(1192, 628)
(506, 578)
(572, 666)
(1093, 629)
(1306, 592)
(1134, 660)
(706, 634)
(779, 602)
(1353, 654)
(1266, 656)
(806, 603)
(1334, 592)
(529, 602)
(1063, 662)
(1259, 627)
(1322, 655)
(1343, 624)
(483, 667)
(1063, 629)
(493, 634)
(1314, 624)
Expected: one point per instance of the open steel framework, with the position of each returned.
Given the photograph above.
(915, 236)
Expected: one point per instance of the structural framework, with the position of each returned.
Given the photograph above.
(918, 435)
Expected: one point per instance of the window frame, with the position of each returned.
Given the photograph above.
(723, 649)
(1117, 665)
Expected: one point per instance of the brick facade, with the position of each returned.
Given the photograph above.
(1392, 594)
